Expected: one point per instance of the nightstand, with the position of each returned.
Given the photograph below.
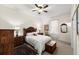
(19, 40)
(50, 46)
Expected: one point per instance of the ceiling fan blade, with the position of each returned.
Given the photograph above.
(45, 6)
(33, 10)
(45, 11)
(36, 5)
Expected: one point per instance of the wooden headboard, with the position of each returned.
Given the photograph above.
(28, 30)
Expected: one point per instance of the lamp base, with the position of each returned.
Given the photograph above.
(16, 35)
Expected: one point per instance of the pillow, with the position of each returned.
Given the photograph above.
(29, 34)
(35, 34)
(32, 33)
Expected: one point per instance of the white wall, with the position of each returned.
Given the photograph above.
(53, 29)
(65, 36)
(63, 19)
(4, 24)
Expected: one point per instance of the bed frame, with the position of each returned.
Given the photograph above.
(28, 30)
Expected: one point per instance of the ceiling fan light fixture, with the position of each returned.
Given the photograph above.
(40, 10)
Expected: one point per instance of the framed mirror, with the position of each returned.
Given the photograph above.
(63, 28)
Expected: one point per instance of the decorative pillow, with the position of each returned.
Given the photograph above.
(32, 33)
(35, 34)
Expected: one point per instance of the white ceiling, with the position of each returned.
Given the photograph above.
(20, 13)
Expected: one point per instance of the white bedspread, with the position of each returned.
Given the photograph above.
(38, 42)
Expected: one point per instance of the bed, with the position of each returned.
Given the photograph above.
(37, 41)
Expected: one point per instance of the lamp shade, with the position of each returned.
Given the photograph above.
(17, 28)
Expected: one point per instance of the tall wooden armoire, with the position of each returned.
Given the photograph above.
(6, 41)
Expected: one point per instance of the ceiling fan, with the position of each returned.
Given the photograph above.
(40, 8)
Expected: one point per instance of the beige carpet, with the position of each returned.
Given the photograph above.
(62, 49)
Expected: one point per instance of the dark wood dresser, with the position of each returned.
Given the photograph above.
(19, 40)
(6, 41)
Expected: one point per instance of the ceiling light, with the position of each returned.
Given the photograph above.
(40, 8)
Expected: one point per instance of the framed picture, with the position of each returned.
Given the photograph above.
(46, 27)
